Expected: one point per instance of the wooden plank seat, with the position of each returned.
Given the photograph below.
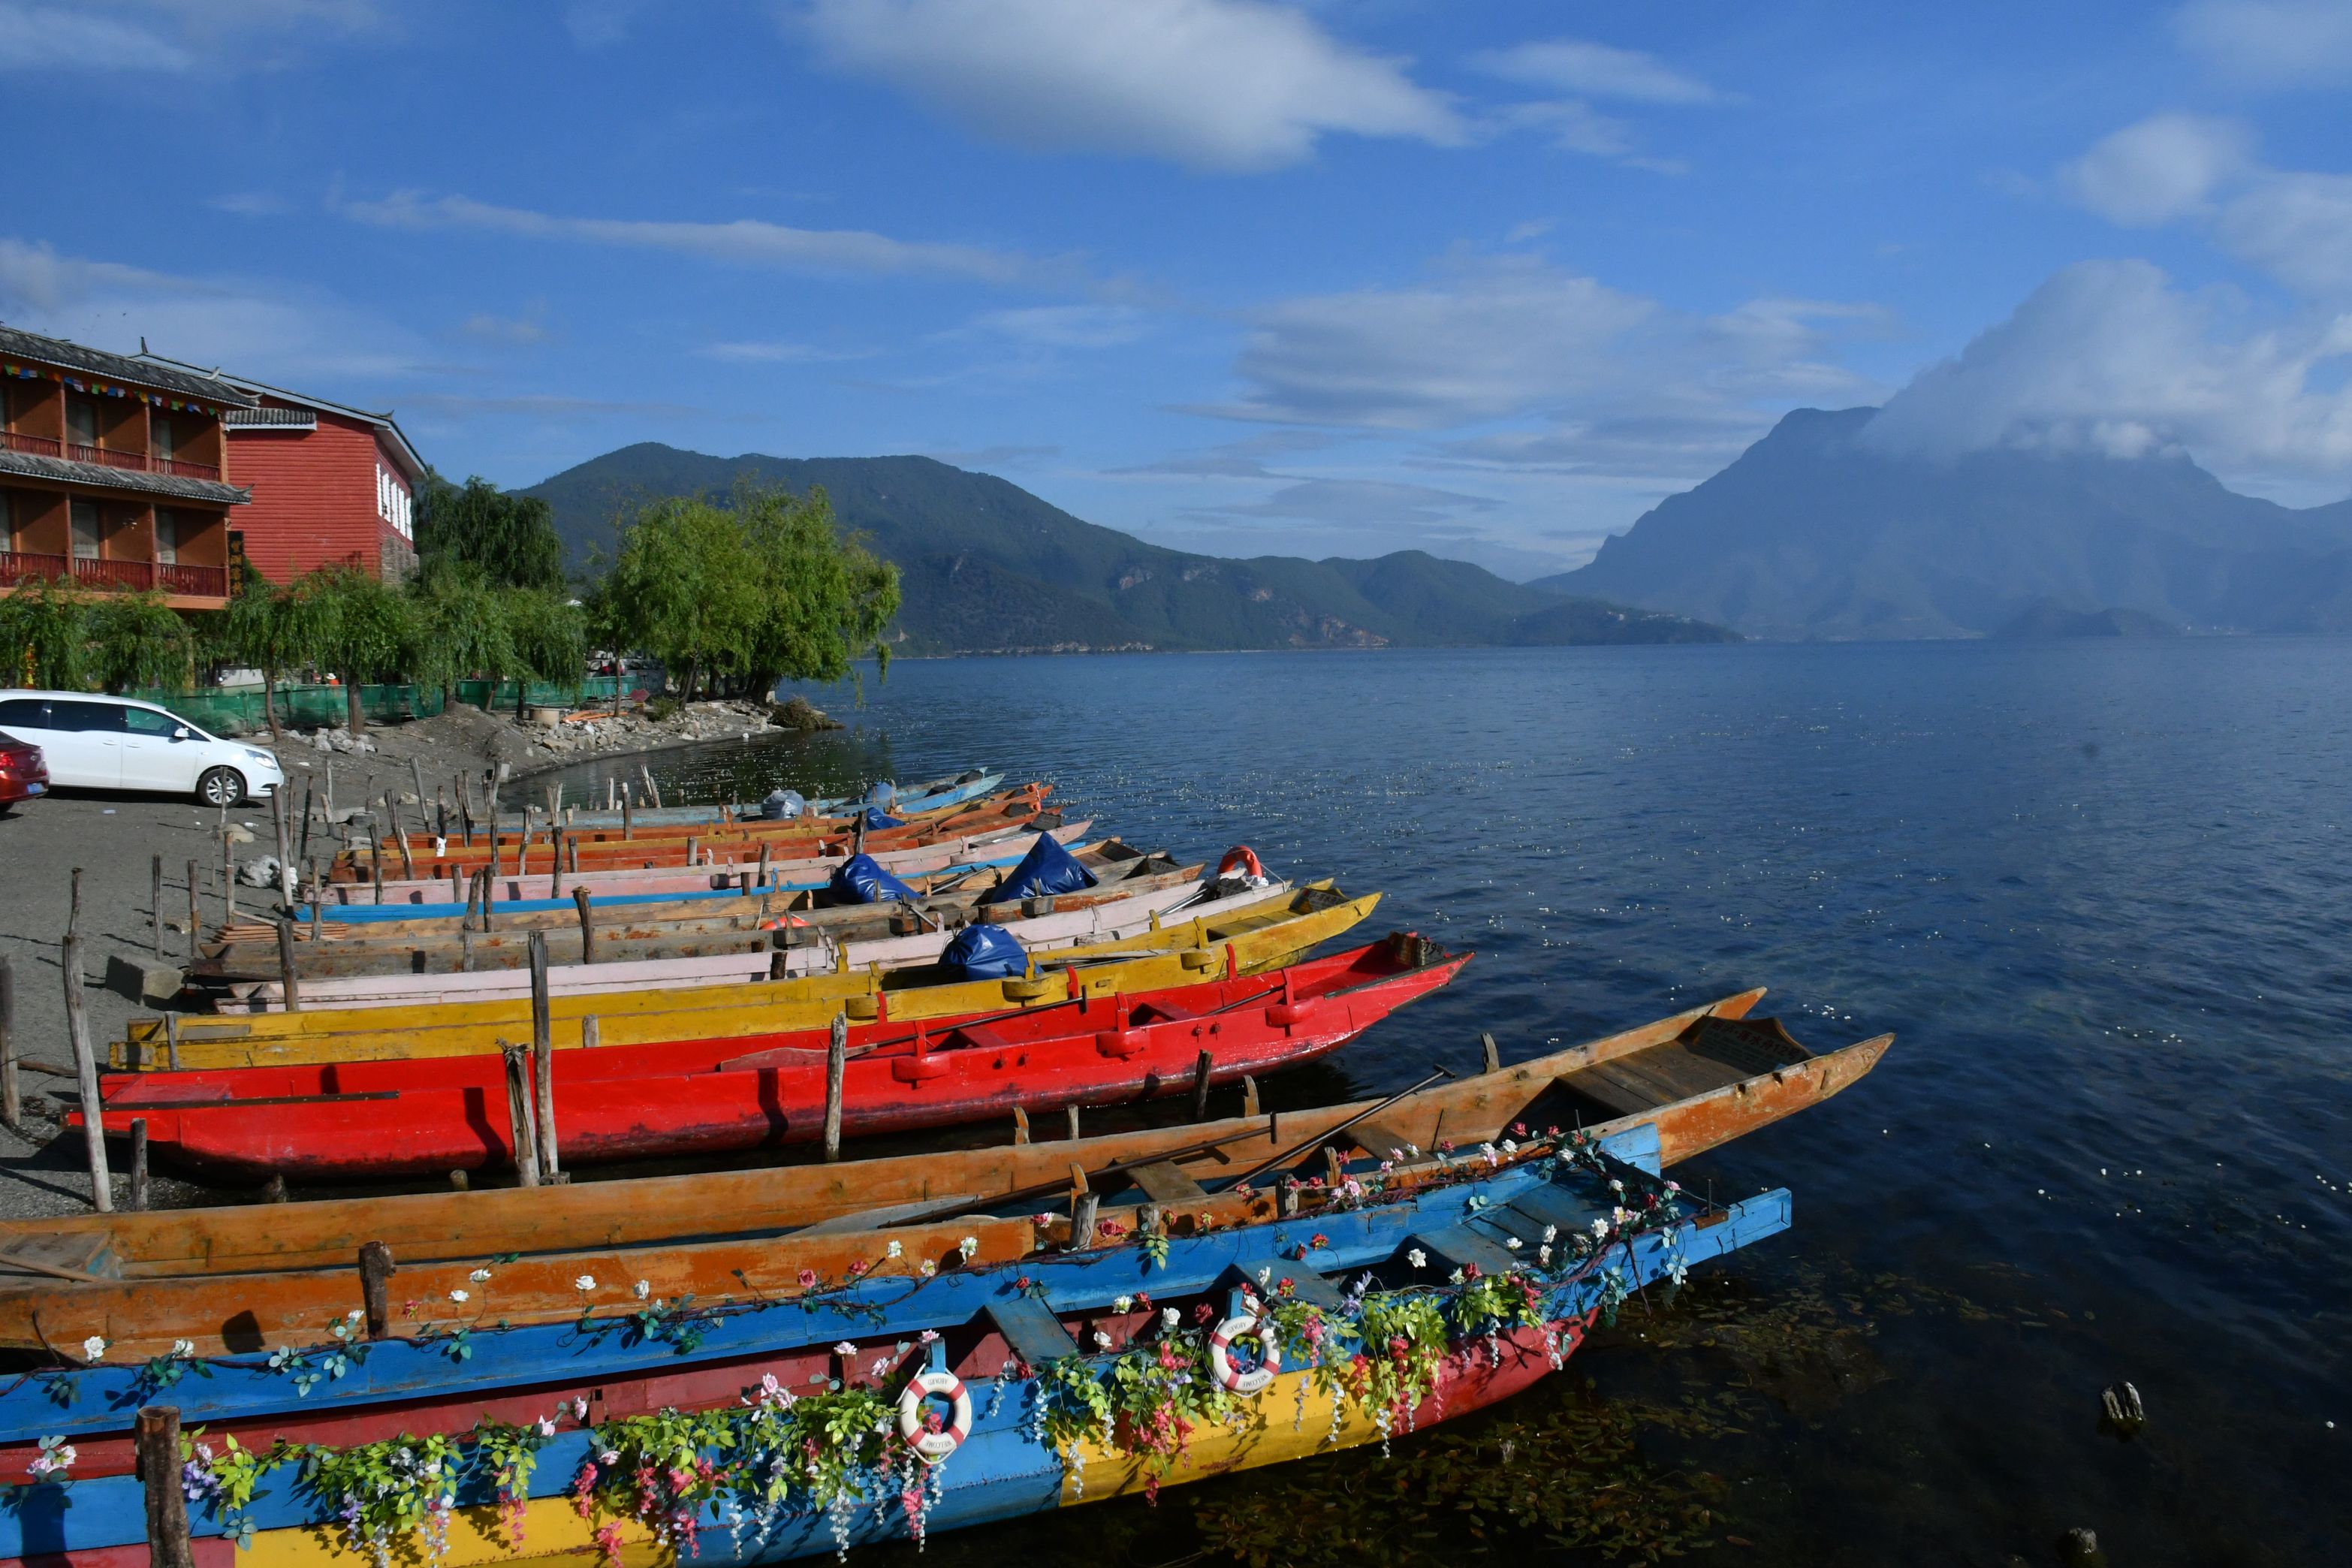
(1264, 1275)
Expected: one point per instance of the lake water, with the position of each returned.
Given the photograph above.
(2099, 891)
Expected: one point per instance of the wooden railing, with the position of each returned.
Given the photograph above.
(106, 456)
(18, 567)
(187, 469)
(43, 446)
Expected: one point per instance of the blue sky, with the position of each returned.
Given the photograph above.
(1237, 276)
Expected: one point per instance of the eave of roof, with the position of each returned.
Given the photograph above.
(403, 450)
(32, 464)
(187, 380)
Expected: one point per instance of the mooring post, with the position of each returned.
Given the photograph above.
(837, 1064)
(289, 979)
(155, 1456)
(375, 1286)
(94, 1119)
(587, 924)
(138, 1163)
(1493, 1053)
(518, 1112)
(542, 1058)
(155, 901)
(12, 1103)
(196, 920)
(1201, 1070)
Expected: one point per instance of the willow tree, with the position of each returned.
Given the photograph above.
(277, 630)
(138, 640)
(549, 638)
(758, 592)
(367, 631)
(45, 636)
(461, 627)
(510, 538)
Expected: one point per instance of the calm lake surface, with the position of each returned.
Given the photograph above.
(2098, 890)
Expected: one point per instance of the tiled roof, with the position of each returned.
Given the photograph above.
(34, 466)
(122, 367)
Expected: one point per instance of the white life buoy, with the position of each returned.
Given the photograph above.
(933, 1446)
(1256, 1323)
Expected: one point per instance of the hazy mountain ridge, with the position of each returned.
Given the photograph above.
(1812, 532)
(989, 567)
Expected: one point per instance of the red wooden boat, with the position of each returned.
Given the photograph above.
(413, 1118)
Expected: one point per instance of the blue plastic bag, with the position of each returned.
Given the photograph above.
(782, 806)
(1046, 869)
(858, 880)
(984, 951)
(876, 817)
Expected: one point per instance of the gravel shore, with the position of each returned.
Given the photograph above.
(112, 839)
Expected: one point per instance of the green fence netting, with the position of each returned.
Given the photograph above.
(243, 713)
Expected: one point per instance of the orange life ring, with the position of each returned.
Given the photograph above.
(1243, 856)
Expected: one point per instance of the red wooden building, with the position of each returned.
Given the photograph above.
(329, 484)
(113, 475)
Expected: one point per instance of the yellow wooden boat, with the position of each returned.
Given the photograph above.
(1247, 942)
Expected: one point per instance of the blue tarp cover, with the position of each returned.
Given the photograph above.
(1046, 869)
(876, 817)
(858, 880)
(983, 952)
(782, 805)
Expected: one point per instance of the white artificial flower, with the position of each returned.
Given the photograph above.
(1510, 1145)
(1123, 1304)
(644, 1288)
(929, 1336)
(896, 1249)
(1551, 1234)
(585, 1283)
(880, 1368)
(184, 1347)
(354, 1315)
(845, 1348)
(1599, 1228)
(580, 1410)
(1168, 1320)
(1102, 1340)
(547, 1426)
(929, 1269)
(93, 1348)
(1455, 1277)
(1615, 1185)
(1417, 1257)
(609, 1457)
(479, 1276)
(968, 1246)
(456, 1295)
(1512, 1242)
(1543, 1256)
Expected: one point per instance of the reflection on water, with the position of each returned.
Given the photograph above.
(2097, 889)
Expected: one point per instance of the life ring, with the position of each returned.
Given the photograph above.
(929, 1445)
(1254, 1322)
(1240, 855)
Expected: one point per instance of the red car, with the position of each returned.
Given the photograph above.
(23, 773)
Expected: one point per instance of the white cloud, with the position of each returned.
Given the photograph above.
(54, 37)
(1226, 85)
(756, 352)
(2295, 226)
(2270, 43)
(1595, 70)
(262, 327)
(2164, 168)
(748, 242)
(1064, 326)
(2108, 357)
(1580, 377)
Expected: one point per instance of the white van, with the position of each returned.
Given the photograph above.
(95, 741)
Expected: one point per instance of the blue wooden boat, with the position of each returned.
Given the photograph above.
(764, 1431)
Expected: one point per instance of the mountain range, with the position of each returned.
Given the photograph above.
(1817, 530)
(988, 567)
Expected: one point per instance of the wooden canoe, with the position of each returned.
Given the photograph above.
(249, 1278)
(390, 1119)
(1246, 943)
(250, 952)
(837, 948)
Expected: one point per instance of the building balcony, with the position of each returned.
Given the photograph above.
(107, 458)
(40, 446)
(19, 567)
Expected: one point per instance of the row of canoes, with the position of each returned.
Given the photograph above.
(759, 1362)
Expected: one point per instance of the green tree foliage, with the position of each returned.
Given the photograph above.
(45, 637)
(747, 595)
(549, 635)
(368, 631)
(461, 625)
(276, 630)
(511, 538)
(138, 640)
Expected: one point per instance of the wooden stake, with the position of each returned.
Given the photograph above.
(228, 879)
(1249, 1095)
(155, 901)
(555, 865)
(195, 920)
(375, 1284)
(12, 1103)
(93, 1121)
(289, 979)
(285, 845)
(489, 893)
(653, 790)
(305, 850)
(628, 801)
(138, 1163)
(518, 1117)
(399, 837)
(1494, 1053)
(1020, 1125)
(587, 925)
(543, 1047)
(1201, 1070)
(1082, 1221)
(837, 1060)
(416, 772)
(375, 856)
(157, 1462)
(172, 1040)
(1073, 1122)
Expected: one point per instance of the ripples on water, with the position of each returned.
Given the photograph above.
(2099, 891)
